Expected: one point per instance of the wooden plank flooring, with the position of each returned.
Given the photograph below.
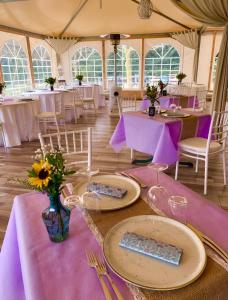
(15, 161)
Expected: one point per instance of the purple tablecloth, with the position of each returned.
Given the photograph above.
(156, 136)
(165, 102)
(34, 268)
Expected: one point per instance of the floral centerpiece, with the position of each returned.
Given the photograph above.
(79, 77)
(152, 95)
(180, 77)
(162, 86)
(2, 86)
(47, 175)
(51, 81)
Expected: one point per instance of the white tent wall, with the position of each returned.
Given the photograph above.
(186, 54)
(207, 54)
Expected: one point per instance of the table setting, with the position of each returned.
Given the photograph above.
(159, 135)
(119, 241)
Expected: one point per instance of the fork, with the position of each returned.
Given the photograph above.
(92, 262)
(103, 270)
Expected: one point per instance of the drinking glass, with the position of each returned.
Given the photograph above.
(178, 206)
(157, 194)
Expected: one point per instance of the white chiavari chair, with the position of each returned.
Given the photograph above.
(89, 100)
(55, 115)
(75, 145)
(126, 104)
(199, 102)
(202, 149)
(75, 103)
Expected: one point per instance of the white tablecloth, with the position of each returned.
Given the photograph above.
(86, 91)
(186, 90)
(47, 100)
(19, 122)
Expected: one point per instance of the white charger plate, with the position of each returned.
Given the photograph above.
(106, 202)
(151, 273)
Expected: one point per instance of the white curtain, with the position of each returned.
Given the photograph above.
(60, 45)
(213, 13)
(190, 39)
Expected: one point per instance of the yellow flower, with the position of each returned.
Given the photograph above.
(43, 171)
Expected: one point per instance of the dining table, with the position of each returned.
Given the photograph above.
(158, 135)
(33, 268)
(18, 118)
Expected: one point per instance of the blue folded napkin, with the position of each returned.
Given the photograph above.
(151, 247)
(106, 189)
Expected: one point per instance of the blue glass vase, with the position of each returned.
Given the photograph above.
(56, 218)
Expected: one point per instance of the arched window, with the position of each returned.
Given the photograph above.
(127, 67)
(87, 61)
(161, 62)
(15, 68)
(41, 64)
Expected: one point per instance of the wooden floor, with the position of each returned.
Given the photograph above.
(15, 161)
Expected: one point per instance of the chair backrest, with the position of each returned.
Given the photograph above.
(200, 97)
(126, 104)
(76, 97)
(89, 91)
(77, 142)
(218, 129)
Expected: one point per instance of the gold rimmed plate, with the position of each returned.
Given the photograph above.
(150, 273)
(106, 202)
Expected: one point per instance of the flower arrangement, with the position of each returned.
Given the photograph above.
(2, 86)
(180, 77)
(48, 171)
(51, 81)
(152, 93)
(162, 86)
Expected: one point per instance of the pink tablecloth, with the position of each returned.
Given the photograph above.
(156, 136)
(201, 213)
(165, 102)
(34, 268)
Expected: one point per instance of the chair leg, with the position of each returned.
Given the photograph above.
(197, 165)
(75, 115)
(177, 169)
(205, 176)
(132, 154)
(224, 166)
(57, 125)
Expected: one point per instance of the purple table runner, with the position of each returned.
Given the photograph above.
(34, 268)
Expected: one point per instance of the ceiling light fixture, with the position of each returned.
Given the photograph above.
(145, 9)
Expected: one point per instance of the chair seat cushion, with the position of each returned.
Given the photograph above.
(88, 99)
(198, 144)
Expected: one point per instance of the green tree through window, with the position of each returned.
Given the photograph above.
(127, 67)
(87, 61)
(161, 62)
(41, 64)
(15, 68)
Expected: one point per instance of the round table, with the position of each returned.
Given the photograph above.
(19, 121)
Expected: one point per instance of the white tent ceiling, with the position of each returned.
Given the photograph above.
(49, 17)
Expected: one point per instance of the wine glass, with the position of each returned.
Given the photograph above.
(178, 206)
(157, 194)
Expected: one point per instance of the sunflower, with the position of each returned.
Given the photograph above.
(41, 171)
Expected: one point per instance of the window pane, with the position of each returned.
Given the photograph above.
(15, 68)
(87, 61)
(42, 65)
(161, 62)
(127, 67)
